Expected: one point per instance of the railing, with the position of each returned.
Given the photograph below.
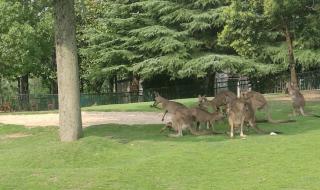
(307, 81)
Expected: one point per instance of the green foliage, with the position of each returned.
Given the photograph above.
(243, 29)
(148, 37)
(26, 40)
(7, 90)
(306, 58)
(227, 63)
(192, 38)
(255, 28)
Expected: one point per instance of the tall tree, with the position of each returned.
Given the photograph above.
(253, 25)
(68, 71)
(161, 37)
(26, 42)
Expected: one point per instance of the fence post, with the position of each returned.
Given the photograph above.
(238, 88)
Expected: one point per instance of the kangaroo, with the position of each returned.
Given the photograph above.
(199, 116)
(182, 120)
(167, 105)
(203, 116)
(6, 107)
(234, 107)
(298, 101)
(258, 102)
(236, 110)
(219, 100)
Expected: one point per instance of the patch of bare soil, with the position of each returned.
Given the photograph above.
(15, 135)
(128, 118)
(88, 119)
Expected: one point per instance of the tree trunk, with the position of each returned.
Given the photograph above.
(53, 82)
(210, 85)
(115, 84)
(24, 91)
(111, 85)
(292, 64)
(68, 71)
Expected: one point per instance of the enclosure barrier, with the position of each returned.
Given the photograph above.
(307, 81)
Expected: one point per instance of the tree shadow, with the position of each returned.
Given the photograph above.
(127, 133)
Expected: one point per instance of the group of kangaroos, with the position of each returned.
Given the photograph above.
(238, 111)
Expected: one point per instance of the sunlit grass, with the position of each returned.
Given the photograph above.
(139, 157)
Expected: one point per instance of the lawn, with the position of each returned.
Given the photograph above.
(139, 157)
(145, 106)
(140, 107)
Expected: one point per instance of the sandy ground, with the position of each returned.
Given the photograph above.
(129, 118)
(88, 118)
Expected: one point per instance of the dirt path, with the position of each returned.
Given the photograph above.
(98, 118)
(88, 118)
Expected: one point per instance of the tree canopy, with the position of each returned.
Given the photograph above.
(26, 41)
(120, 39)
(274, 32)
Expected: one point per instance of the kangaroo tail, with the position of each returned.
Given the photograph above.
(270, 120)
(261, 131)
(198, 133)
(312, 115)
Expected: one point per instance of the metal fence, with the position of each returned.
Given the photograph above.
(275, 84)
(25, 102)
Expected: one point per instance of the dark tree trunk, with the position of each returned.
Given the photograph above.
(111, 84)
(53, 82)
(68, 71)
(23, 85)
(210, 83)
(115, 84)
(292, 64)
(54, 87)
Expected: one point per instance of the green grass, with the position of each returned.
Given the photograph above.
(28, 112)
(132, 107)
(139, 157)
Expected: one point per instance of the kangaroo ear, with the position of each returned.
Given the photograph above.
(199, 96)
(156, 93)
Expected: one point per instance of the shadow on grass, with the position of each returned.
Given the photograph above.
(127, 133)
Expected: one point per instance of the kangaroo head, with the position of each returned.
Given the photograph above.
(158, 99)
(202, 98)
(290, 88)
(202, 101)
(156, 94)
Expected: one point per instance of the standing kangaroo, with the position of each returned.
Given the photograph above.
(235, 115)
(258, 102)
(298, 101)
(167, 105)
(236, 110)
(218, 101)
